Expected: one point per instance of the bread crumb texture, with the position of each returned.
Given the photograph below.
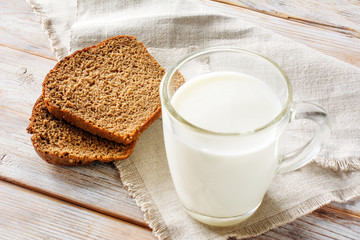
(60, 143)
(112, 87)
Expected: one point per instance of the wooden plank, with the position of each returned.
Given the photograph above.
(345, 47)
(351, 208)
(96, 187)
(29, 215)
(20, 28)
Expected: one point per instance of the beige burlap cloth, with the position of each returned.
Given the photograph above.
(171, 29)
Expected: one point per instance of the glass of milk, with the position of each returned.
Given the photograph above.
(224, 110)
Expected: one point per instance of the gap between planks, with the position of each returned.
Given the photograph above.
(28, 52)
(40, 214)
(73, 202)
(318, 226)
(326, 40)
(341, 29)
(335, 209)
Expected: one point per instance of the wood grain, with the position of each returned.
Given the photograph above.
(20, 29)
(351, 208)
(29, 215)
(332, 39)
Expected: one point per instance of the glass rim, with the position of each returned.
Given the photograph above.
(169, 74)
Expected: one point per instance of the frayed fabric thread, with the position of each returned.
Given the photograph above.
(46, 24)
(343, 164)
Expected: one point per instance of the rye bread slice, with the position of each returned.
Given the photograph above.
(110, 89)
(58, 142)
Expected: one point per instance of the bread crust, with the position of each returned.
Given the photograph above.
(86, 125)
(69, 160)
(73, 161)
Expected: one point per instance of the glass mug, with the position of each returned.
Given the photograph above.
(222, 172)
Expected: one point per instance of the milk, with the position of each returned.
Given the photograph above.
(219, 175)
(226, 102)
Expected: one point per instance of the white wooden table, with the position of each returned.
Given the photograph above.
(41, 201)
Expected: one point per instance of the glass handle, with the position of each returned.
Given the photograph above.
(303, 155)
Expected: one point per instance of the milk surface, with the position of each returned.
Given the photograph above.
(215, 175)
(226, 102)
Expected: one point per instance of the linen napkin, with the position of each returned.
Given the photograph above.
(170, 29)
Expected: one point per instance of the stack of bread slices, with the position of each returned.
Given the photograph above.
(96, 103)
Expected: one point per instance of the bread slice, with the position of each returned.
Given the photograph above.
(57, 142)
(110, 89)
